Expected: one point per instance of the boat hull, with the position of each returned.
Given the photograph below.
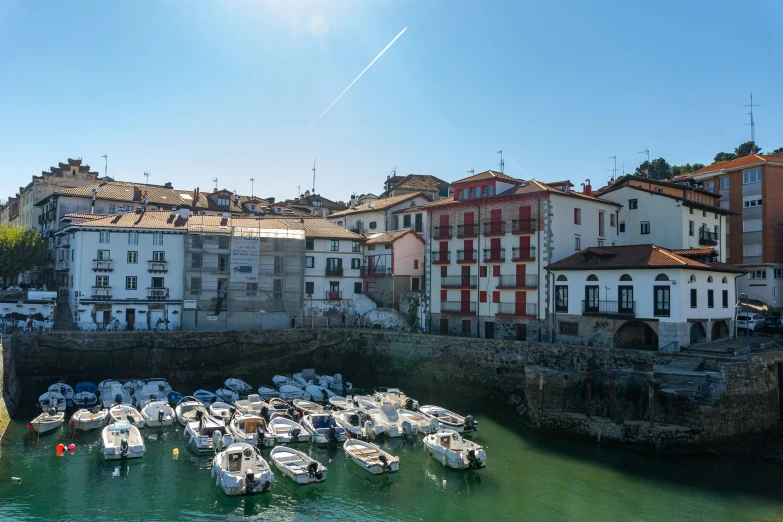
(88, 425)
(46, 427)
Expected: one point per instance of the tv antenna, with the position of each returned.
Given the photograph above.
(252, 181)
(501, 164)
(614, 170)
(313, 177)
(215, 180)
(647, 151)
(752, 123)
(106, 165)
(471, 171)
(147, 177)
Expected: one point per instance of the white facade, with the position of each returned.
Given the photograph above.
(380, 220)
(332, 274)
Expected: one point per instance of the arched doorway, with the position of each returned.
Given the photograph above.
(720, 330)
(636, 335)
(698, 334)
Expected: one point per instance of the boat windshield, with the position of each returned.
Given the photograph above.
(235, 461)
(121, 426)
(320, 421)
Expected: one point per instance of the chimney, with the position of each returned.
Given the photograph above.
(369, 202)
(120, 211)
(588, 190)
(168, 185)
(184, 212)
(226, 215)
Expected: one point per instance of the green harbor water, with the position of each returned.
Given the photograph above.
(529, 477)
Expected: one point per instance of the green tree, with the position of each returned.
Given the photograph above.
(724, 156)
(747, 148)
(656, 169)
(20, 249)
(778, 151)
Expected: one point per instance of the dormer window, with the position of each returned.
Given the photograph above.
(252, 208)
(317, 203)
(224, 202)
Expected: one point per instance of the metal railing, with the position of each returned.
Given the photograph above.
(442, 230)
(368, 270)
(708, 238)
(157, 266)
(466, 307)
(441, 256)
(494, 228)
(467, 230)
(459, 281)
(102, 265)
(334, 271)
(672, 347)
(518, 281)
(467, 256)
(523, 225)
(101, 292)
(334, 295)
(157, 294)
(494, 254)
(518, 253)
(518, 309)
(609, 308)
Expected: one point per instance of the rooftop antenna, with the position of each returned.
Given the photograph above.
(752, 123)
(147, 177)
(614, 170)
(471, 171)
(502, 164)
(647, 151)
(106, 165)
(394, 171)
(313, 176)
(298, 190)
(252, 192)
(215, 180)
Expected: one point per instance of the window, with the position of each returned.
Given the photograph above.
(591, 298)
(356, 263)
(495, 296)
(277, 266)
(472, 192)
(101, 281)
(459, 194)
(592, 277)
(711, 186)
(128, 208)
(692, 279)
(309, 287)
(418, 223)
(223, 242)
(444, 271)
(133, 258)
(724, 183)
(485, 190)
(309, 262)
(691, 228)
(277, 289)
(757, 274)
(195, 285)
(562, 278)
(492, 190)
(645, 227)
(415, 264)
(709, 279)
(725, 298)
(317, 203)
(691, 210)
(778, 273)
(694, 300)
(611, 220)
(130, 283)
(561, 298)
(724, 280)
(632, 204)
(387, 246)
(373, 225)
(196, 260)
(406, 221)
(622, 226)
(600, 242)
(753, 176)
(223, 202)
(751, 250)
(751, 201)
(495, 270)
(157, 238)
(355, 246)
(444, 294)
(415, 284)
(104, 255)
(133, 237)
(335, 245)
(710, 299)
(483, 271)
(625, 300)
(357, 287)
(661, 305)
(159, 256)
(482, 296)
(751, 225)
(157, 282)
(577, 216)
(466, 330)
(103, 236)
(578, 243)
(568, 328)
(309, 244)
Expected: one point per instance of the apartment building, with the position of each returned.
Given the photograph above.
(431, 186)
(376, 216)
(393, 264)
(315, 205)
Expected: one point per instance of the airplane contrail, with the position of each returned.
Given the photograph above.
(354, 81)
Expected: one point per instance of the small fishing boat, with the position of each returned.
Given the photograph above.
(253, 404)
(393, 424)
(247, 427)
(397, 398)
(358, 423)
(239, 386)
(450, 449)
(187, 408)
(307, 407)
(204, 433)
(115, 395)
(298, 466)
(150, 392)
(305, 377)
(86, 420)
(48, 421)
(282, 380)
(318, 393)
(340, 403)
(241, 470)
(221, 411)
(226, 395)
(162, 384)
(365, 401)
(133, 385)
(290, 392)
(85, 399)
(323, 428)
(450, 420)
(174, 397)
(126, 412)
(52, 400)
(86, 386)
(105, 386)
(122, 440)
(278, 407)
(334, 383)
(158, 413)
(424, 424)
(65, 390)
(207, 397)
(286, 431)
(267, 393)
(371, 457)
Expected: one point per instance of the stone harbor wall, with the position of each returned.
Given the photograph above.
(4, 417)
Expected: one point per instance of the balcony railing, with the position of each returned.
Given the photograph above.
(157, 266)
(708, 238)
(441, 256)
(376, 271)
(518, 281)
(458, 307)
(442, 230)
(335, 295)
(495, 228)
(157, 294)
(63, 264)
(467, 256)
(520, 226)
(523, 253)
(101, 292)
(467, 230)
(518, 309)
(624, 308)
(102, 265)
(334, 271)
(458, 281)
(494, 254)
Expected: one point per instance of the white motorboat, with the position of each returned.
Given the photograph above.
(282, 380)
(86, 420)
(158, 413)
(122, 440)
(365, 401)
(52, 400)
(226, 395)
(393, 424)
(334, 383)
(205, 433)
(424, 424)
(307, 407)
(85, 399)
(279, 407)
(397, 398)
(162, 384)
(253, 404)
(65, 390)
(241, 470)
(267, 393)
(205, 396)
(247, 427)
(450, 449)
(340, 403)
(239, 386)
(115, 395)
(290, 392)
(108, 383)
(187, 408)
(371, 457)
(126, 412)
(286, 431)
(319, 394)
(132, 386)
(358, 423)
(450, 420)
(86, 386)
(48, 421)
(150, 392)
(221, 411)
(298, 466)
(323, 428)
(305, 377)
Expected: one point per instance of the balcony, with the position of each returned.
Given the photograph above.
(334, 295)
(157, 266)
(467, 256)
(441, 257)
(458, 307)
(63, 264)
(495, 228)
(102, 265)
(373, 271)
(609, 308)
(334, 271)
(101, 292)
(523, 253)
(467, 230)
(521, 281)
(708, 238)
(523, 226)
(518, 309)
(458, 282)
(157, 293)
(494, 255)
(442, 231)
(357, 230)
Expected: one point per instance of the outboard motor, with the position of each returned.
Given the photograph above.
(153, 397)
(407, 429)
(354, 419)
(473, 461)
(312, 469)
(217, 439)
(470, 423)
(325, 395)
(385, 462)
(53, 411)
(199, 415)
(295, 434)
(409, 404)
(264, 411)
(124, 447)
(332, 434)
(160, 387)
(435, 425)
(250, 477)
(368, 429)
(160, 415)
(118, 399)
(266, 486)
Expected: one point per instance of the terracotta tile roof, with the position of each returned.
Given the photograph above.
(681, 185)
(309, 201)
(154, 219)
(83, 215)
(738, 163)
(420, 182)
(635, 256)
(706, 251)
(380, 204)
(390, 237)
(489, 174)
(686, 202)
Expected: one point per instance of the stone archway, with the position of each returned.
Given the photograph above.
(720, 330)
(636, 335)
(698, 334)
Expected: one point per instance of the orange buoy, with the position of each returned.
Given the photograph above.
(60, 447)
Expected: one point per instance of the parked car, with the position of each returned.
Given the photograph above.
(773, 325)
(754, 322)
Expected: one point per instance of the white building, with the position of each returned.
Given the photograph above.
(642, 296)
(393, 264)
(378, 215)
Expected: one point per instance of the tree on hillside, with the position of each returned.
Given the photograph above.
(746, 149)
(778, 151)
(656, 169)
(724, 156)
(20, 249)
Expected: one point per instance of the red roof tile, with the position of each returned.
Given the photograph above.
(738, 163)
(489, 174)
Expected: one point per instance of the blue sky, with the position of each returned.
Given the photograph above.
(194, 90)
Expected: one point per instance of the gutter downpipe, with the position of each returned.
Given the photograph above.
(428, 280)
(478, 274)
(554, 309)
(538, 263)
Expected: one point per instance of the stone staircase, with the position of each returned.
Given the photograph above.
(63, 321)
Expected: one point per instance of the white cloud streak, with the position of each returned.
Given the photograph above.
(354, 81)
